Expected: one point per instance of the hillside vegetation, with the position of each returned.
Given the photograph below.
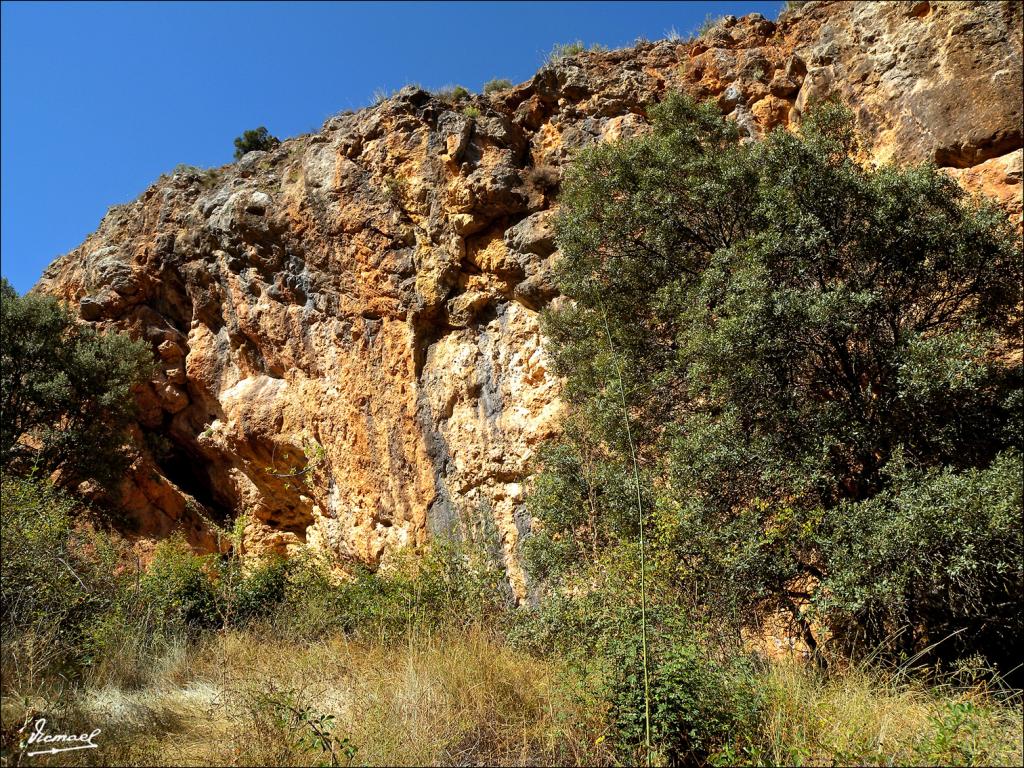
(793, 390)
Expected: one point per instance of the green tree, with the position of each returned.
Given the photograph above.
(66, 390)
(791, 328)
(255, 140)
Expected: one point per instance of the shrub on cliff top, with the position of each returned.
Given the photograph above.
(496, 86)
(563, 50)
(255, 140)
(451, 93)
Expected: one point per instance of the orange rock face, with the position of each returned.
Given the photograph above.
(348, 325)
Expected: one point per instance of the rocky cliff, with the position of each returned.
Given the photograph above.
(348, 325)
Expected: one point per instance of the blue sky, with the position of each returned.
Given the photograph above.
(98, 99)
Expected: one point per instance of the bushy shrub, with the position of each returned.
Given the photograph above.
(787, 328)
(497, 85)
(56, 579)
(702, 692)
(582, 501)
(938, 557)
(698, 704)
(177, 588)
(65, 387)
(564, 50)
(446, 584)
(255, 140)
(260, 592)
(452, 93)
(189, 593)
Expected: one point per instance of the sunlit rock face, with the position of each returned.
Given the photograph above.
(347, 326)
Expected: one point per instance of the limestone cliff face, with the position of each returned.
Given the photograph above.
(348, 325)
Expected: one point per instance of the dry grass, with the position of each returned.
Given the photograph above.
(860, 718)
(463, 697)
(243, 699)
(438, 699)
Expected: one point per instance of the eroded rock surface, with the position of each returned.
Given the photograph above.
(347, 326)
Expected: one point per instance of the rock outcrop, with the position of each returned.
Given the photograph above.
(347, 326)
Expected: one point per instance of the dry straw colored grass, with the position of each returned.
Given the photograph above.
(861, 717)
(462, 697)
(451, 699)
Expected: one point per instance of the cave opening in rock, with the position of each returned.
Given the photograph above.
(189, 473)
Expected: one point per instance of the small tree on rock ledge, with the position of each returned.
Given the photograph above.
(256, 140)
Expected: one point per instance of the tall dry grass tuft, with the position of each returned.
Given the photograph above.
(864, 717)
(449, 698)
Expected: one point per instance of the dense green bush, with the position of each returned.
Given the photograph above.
(255, 140)
(702, 691)
(65, 387)
(446, 584)
(698, 704)
(56, 579)
(452, 93)
(811, 358)
(178, 589)
(261, 591)
(939, 553)
(791, 329)
(74, 599)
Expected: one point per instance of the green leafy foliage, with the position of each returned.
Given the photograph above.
(813, 359)
(56, 578)
(75, 598)
(255, 140)
(446, 584)
(303, 727)
(261, 591)
(178, 588)
(793, 330)
(699, 704)
(938, 553)
(191, 593)
(703, 694)
(66, 389)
